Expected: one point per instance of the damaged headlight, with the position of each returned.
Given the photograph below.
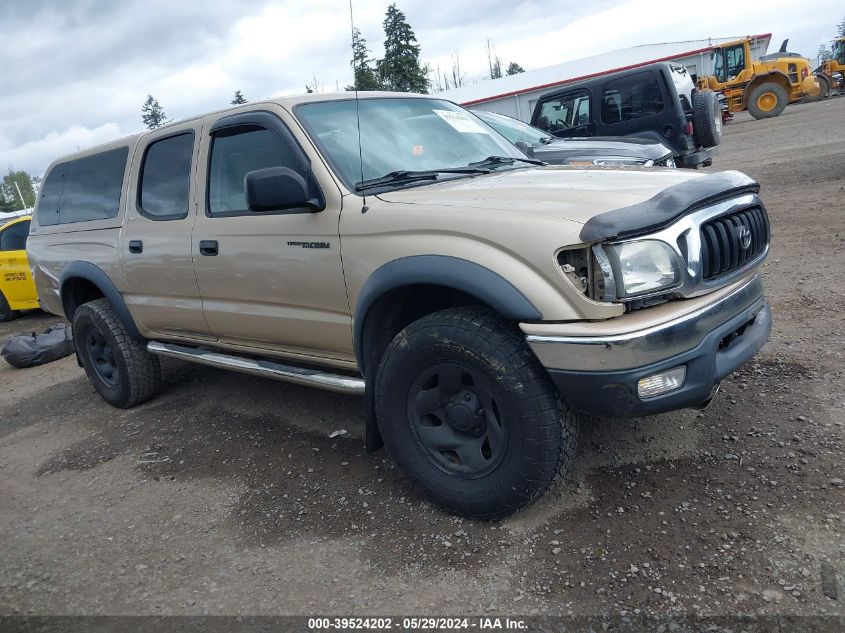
(634, 269)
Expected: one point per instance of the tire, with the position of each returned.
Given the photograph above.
(430, 380)
(121, 369)
(6, 312)
(824, 90)
(767, 100)
(707, 118)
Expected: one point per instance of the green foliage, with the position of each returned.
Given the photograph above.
(363, 72)
(152, 114)
(400, 69)
(515, 69)
(840, 29)
(239, 98)
(10, 200)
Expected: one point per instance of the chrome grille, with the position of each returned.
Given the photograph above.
(730, 241)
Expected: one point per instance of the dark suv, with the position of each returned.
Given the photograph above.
(658, 101)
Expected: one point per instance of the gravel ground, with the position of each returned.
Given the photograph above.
(225, 495)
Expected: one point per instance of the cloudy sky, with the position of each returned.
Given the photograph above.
(75, 72)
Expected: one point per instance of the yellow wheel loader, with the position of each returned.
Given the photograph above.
(763, 86)
(831, 74)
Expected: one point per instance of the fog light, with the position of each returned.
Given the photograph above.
(664, 382)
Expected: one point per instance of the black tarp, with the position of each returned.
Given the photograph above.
(29, 350)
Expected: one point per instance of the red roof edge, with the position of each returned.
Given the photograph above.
(598, 74)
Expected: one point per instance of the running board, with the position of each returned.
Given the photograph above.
(262, 367)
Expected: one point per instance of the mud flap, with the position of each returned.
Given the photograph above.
(372, 437)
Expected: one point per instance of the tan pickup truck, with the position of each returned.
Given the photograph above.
(399, 248)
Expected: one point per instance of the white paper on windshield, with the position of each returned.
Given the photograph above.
(461, 122)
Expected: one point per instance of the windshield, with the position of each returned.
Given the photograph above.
(400, 134)
(514, 130)
(839, 51)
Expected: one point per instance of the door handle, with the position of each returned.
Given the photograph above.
(208, 247)
(136, 246)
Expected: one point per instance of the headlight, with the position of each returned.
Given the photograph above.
(633, 269)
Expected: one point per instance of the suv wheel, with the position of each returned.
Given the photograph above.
(470, 415)
(6, 312)
(121, 369)
(767, 100)
(707, 118)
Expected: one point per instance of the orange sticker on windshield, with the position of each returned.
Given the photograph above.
(417, 151)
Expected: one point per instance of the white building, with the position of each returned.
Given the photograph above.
(515, 95)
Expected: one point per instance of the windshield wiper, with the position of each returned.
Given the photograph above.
(403, 176)
(490, 161)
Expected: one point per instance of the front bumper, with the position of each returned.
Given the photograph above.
(702, 157)
(599, 375)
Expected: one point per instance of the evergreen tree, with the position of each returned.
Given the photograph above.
(10, 200)
(152, 114)
(840, 29)
(515, 69)
(239, 98)
(363, 72)
(401, 69)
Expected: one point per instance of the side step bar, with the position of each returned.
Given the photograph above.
(260, 367)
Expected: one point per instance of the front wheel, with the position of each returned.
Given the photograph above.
(470, 415)
(822, 91)
(767, 100)
(6, 312)
(121, 369)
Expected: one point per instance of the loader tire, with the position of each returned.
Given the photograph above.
(824, 90)
(767, 100)
(706, 118)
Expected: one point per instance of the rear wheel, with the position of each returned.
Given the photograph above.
(767, 100)
(821, 93)
(6, 312)
(121, 369)
(470, 415)
(707, 118)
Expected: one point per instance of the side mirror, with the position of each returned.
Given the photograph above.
(278, 189)
(526, 148)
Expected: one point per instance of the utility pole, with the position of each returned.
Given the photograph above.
(20, 195)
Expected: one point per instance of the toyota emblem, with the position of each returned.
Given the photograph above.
(744, 235)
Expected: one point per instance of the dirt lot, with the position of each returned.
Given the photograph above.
(225, 494)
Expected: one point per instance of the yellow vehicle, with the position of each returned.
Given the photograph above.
(17, 290)
(827, 72)
(763, 86)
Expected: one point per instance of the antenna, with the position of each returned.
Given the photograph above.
(364, 207)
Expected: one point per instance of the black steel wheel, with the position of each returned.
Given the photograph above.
(470, 415)
(101, 354)
(119, 367)
(456, 420)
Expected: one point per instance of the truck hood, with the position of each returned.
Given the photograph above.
(569, 193)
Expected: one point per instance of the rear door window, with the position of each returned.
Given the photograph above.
(631, 97)
(165, 187)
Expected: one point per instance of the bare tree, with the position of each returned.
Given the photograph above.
(458, 75)
(314, 86)
(494, 64)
